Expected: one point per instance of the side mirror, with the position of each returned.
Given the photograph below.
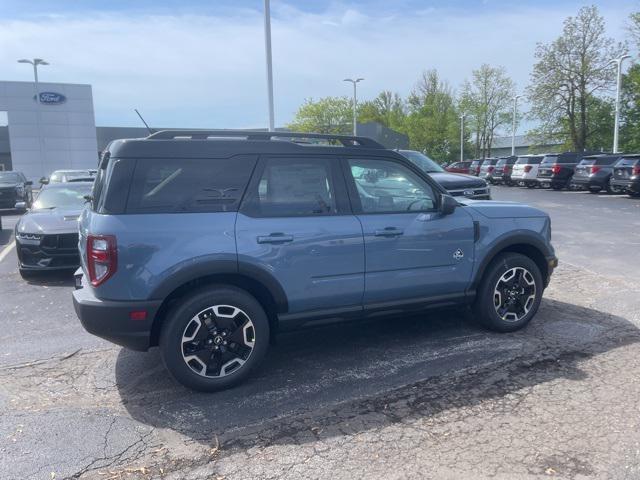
(28, 183)
(44, 180)
(448, 204)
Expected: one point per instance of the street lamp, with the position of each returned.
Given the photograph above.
(462, 136)
(616, 125)
(267, 48)
(355, 100)
(513, 130)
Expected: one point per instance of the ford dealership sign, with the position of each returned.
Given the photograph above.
(51, 98)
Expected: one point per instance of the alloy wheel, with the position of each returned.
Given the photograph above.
(217, 341)
(514, 294)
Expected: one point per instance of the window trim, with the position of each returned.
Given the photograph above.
(343, 206)
(354, 196)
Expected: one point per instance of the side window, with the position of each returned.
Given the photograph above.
(387, 187)
(293, 187)
(188, 185)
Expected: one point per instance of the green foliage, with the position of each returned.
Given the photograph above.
(487, 99)
(569, 81)
(630, 111)
(328, 115)
(387, 108)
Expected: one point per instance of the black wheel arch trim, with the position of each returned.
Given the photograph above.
(229, 265)
(505, 243)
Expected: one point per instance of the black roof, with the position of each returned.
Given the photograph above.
(224, 143)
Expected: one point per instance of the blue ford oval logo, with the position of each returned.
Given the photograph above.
(51, 98)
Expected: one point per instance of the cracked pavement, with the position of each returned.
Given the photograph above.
(429, 396)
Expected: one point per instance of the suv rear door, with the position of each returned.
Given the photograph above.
(412, 252)
(295, 223)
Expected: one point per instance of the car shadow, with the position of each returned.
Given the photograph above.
(311, 376)
(59, 278)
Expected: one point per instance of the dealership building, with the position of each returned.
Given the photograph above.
(59, 131)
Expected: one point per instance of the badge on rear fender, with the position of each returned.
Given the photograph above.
(458, 254)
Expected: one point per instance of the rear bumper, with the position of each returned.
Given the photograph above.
(110, 319)
(627, 185)
(588, 183)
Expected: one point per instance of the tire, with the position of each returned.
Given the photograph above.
(557, 186)
(612, 190)
(493, 282)
(232, 315)
(594, 190)
(531, 185)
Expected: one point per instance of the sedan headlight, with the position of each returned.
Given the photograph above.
(28, 236)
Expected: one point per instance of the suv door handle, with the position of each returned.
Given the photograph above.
(389, 232)
(275, 238)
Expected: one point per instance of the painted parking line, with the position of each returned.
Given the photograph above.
(6, 250)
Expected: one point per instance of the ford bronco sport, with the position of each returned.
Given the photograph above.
(207, 243)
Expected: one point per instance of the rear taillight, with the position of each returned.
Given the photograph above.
(635, 170)
(595, 169)
(527, 168)
(507, 168)
(102, 258)
(490, 169)
(556, 169)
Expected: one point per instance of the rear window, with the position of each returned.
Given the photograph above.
(501, 162)
(628, 162)
(188, 185)
(550, 159)
(529, 160)
(599, 161)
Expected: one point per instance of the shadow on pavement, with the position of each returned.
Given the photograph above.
(62, 278)
(323, 377)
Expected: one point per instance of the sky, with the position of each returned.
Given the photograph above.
(201, 64)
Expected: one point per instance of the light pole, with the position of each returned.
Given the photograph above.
(35, 62)
(267, 48)
(462, 136)
(355, 101)
(616, 122)
(513, 130)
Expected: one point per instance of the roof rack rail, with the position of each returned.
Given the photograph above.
(345, 140)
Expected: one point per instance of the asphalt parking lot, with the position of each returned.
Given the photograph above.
(431, 396)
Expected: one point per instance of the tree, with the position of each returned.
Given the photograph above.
(487, 100)
(570, 73)
(387, 108)
(630, 98)
(333, 115)
(432, 120)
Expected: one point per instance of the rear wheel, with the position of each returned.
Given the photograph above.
(510, 293)
(213, 338)
(612, 189)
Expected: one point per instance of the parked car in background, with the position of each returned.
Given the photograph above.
(594, 172)
(525, 170)
(456, 184)
(626, 175)
(15, 190)
(502, 171)
(556, 169)
(47, 235)
(221, 244)
(459, 167)
(62, 176)
(474, 168)
(487, 168)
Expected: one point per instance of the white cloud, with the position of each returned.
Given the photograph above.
(208, 70)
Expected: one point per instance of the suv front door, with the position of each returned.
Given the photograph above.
(296, 224)
(412, 252)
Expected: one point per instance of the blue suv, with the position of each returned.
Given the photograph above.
(207, 243)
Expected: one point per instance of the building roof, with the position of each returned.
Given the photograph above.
(521, 141)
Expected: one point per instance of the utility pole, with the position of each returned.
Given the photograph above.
(616, 126)
(513, 130)
(355, 102)
(267, 47)
(462, 136)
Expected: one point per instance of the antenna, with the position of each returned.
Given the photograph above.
(151, 130)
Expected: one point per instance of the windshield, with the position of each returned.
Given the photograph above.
(421, 161)
(9, 177)
(62, 197)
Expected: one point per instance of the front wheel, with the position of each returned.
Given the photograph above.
(509, 294)
(213, 338)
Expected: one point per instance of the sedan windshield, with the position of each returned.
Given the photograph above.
(73, 196)
(421, 161)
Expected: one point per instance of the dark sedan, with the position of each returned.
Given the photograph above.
(47, 235)
(15, 191)
(456, 184)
